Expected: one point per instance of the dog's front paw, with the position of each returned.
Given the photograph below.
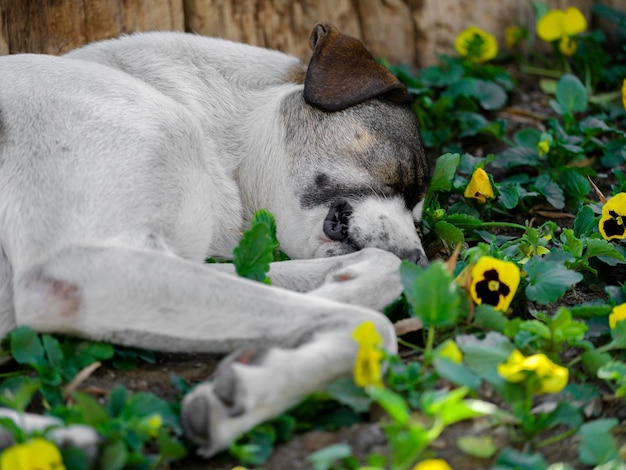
(368, 278)
(215, 413)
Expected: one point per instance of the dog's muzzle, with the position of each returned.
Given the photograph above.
(336, 228)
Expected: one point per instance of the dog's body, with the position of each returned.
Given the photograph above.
(124, 164)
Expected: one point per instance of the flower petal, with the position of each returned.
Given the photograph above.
(479, 186)
(37, 453)
(512, 370)
(450, 350)
(618, 314)
(574, 21)
(476, 44)
(568, 46)
(367, 366)
(432, 464)
(366, 334)
(494, 282)
(612, 223)
(550, 26)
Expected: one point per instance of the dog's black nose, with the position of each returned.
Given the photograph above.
(421, 259)
(336, 222)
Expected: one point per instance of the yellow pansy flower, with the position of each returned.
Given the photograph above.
(513, 35)
(551, 378)
(618, 314)
(36, 454)
(450, 350)
(367, 367)
(543, 146)
(151, 424)
(433, 464)
(529, 251)
(562, 25)
(479, 186)
(624, 93)
(494, 282)
(612, 223)
(475, 44)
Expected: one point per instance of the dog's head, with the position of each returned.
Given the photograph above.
(357, 169)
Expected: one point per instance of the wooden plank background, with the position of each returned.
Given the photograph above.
(410, 31)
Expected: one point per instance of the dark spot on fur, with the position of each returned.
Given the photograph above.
(321, 179)
(380, 140)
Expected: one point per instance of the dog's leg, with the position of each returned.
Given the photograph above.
(288, 344)
(369, 278)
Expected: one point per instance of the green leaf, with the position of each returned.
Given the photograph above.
(26, 347)
(409, 272)
(74, 458)
(536, 328)
(54, 352)
(571, 244)
(470, 124)
(451, 235)
(550, 190)
(441, 76)
(434, 296)
(584, 221)
(483, 355)
(600, 247)
(517, 156)
(615, 371)
(593, 360)
(528, 137)
(464, 221)
(345, 391)
(255, 446)
(573, 183)
(117, 401)
(445, 170)
(516, 460)
(91, 411)
(169, 448)
(509, 194)
(17, 392)
(325, 458)
(458, 374)
(482, 447)
(12, 428)
(548, 280)
(571, 94)
(255, 252)
(113, 456)
(490, 95)
(487, 317)
(618, 336)
(146, 404)
(597, 445)
(392, 403)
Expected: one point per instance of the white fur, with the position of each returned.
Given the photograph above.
(125, 163)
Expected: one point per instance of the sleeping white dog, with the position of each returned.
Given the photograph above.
(125, 163)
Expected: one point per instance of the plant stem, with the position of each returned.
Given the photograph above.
(430, 342)
(504, 224)
(557, 438)
(409, 345)
(541, 71)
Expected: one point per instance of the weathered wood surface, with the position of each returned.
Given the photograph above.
(410, 31)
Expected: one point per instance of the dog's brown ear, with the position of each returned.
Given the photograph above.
(342, 73)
